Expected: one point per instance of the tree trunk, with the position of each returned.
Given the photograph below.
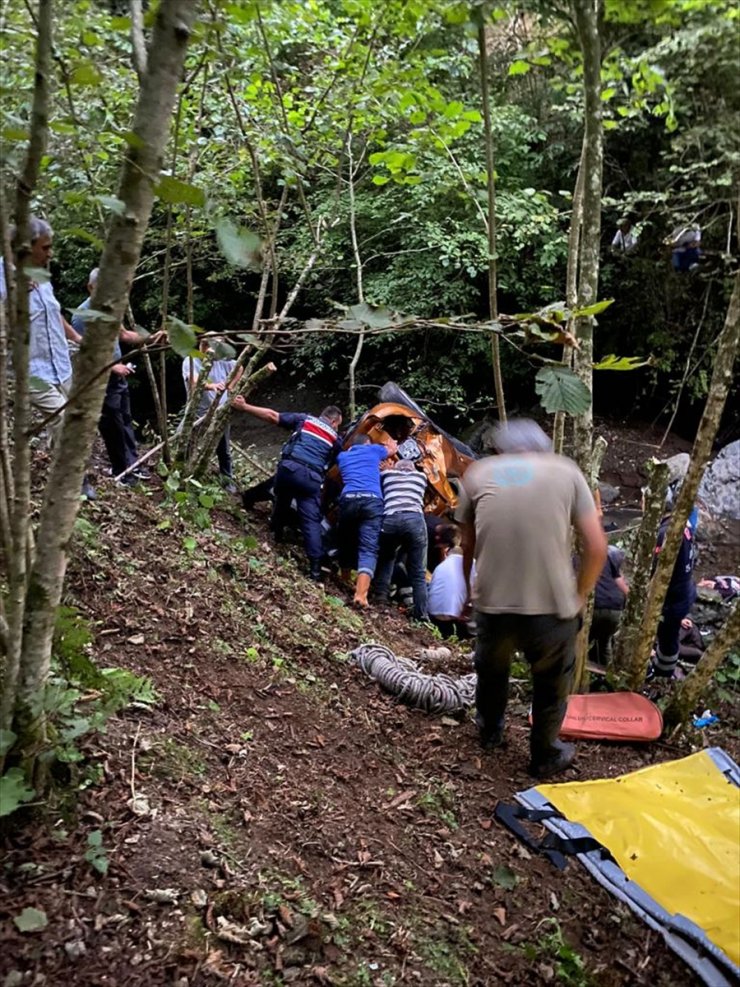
(581, 676)
(724, 362)
(688, 693)
(17, 563)
(498, 380)
(571, 289)
(360, 290)
(642, 557)
(587, 16)
(142, 164)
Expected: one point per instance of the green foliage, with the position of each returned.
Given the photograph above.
(96, 854)
(569, 966)
(13, 791)
(192, 499)
(560, 389)
(31, 920)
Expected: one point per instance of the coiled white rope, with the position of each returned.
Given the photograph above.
(403, 679)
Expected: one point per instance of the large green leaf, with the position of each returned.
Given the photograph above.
(240, 247)
(31, 920)
(375, 316)
(561, 390)
(613, 362)
(13, 791)
(181, 336)
(175, 192)
(7, 739)
(594, 309)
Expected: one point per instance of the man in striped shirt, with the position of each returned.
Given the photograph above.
(404, 529)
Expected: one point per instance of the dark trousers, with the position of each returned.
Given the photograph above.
(116, 426)
(404, 531)
(358, 531)
(604, 626)
(669, 632)
(447, 628)
(294, 481)
(223, 452)
(548, 645)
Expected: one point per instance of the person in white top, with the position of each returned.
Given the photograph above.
(624, 239)
(448, 592)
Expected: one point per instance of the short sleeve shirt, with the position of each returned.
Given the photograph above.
(219, 373)
(49, 358)
(523, 508)
(360, 469)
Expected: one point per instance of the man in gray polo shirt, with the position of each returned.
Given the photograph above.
(517, 510)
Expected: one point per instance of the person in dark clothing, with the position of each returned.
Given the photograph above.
(116, 425)
(305, 458)
(610, 596)
(442, 536)
(678, 602)
(361, 509)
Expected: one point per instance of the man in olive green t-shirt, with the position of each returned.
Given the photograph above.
(517, 510)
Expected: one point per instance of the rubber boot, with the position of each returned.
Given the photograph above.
(361, 588)
(559, 757)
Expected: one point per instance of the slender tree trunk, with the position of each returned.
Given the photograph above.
(498, 380)
(360, 290)
(571, 289)
(642, 558)
(581, 676)
(688, 693)
(724, 362)
(21, 481)
(170, 36)
(587, 16)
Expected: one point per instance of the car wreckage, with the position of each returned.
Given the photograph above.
(442, 457)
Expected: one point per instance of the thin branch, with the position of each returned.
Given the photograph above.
(138, 42)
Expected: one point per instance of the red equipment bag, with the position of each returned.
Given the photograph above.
(625, 716)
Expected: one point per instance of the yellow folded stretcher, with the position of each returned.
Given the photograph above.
(666, 840)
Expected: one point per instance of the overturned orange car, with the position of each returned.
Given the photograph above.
(441, 456)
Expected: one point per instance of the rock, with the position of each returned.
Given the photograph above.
(608, 493)
(75, 950)
(13, 979)
(677, 467)
(720, 486)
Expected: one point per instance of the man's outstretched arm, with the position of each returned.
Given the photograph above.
(266, 414)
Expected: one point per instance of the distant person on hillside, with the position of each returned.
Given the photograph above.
(403, 527)
(624, 239)
(361, 509)
(610, 596)
(215, 389)
(116, 425)
(685, 248)
(305, 458)
(517, 511)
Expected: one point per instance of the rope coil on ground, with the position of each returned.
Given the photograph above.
(403, 679)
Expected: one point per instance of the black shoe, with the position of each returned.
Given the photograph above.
(490, 739)
(561, 757)
(130, 480)
(315, 574)
(141, 473)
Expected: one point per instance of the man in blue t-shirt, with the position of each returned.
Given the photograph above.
(361, 509)
(305, 458)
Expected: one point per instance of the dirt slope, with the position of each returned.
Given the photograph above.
(302, 827)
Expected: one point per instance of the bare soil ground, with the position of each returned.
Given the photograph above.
(302, 827)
